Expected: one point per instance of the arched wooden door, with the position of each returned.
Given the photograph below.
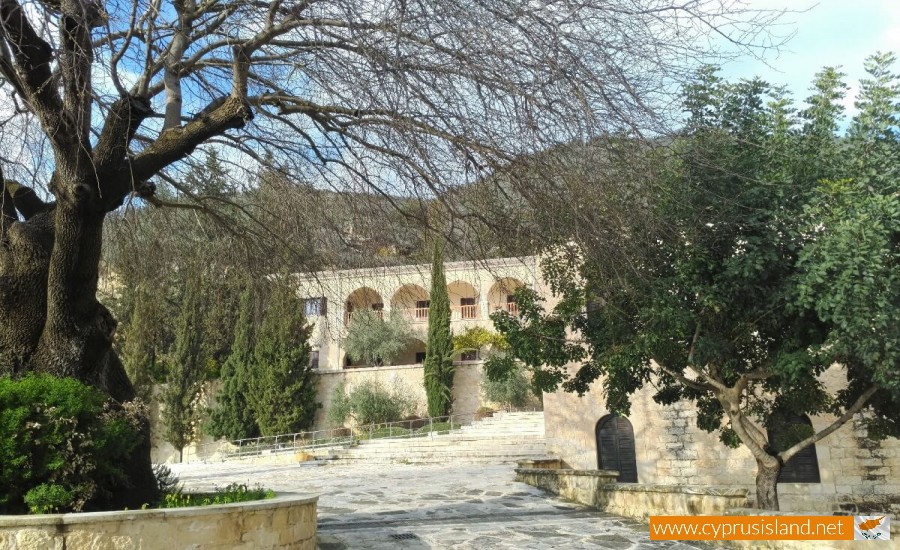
(615, 447)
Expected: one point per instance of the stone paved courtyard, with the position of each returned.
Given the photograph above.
(428, 506)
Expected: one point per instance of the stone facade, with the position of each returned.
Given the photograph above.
(288, 521)
(475, 289)
(857, 475)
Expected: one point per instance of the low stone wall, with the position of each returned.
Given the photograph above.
(287, 521)
(598, 488)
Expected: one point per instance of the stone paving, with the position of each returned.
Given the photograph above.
(433, 507)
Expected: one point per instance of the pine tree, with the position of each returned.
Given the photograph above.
(283, 393)
(186, 369)
(439, 348)
(232, 417)
(139, 351)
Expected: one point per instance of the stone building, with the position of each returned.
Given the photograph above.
(662, 445)
(476, 289)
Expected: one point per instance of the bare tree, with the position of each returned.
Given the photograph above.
(108, 100)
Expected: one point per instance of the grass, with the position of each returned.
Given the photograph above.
(235, 492)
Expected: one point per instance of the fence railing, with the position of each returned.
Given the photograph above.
(335, 437)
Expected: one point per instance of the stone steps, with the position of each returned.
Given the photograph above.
(504, 438)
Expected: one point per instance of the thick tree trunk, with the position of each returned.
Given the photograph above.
(767, 473)
(51, 321)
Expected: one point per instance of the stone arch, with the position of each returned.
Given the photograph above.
(615, 447)
(463, 300)
(411, 300)
(501, 292)
(413, 354)
(362, 298)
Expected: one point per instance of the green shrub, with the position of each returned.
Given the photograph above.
(62, 445)
(235, 492)
(512, 389)
(369, 402)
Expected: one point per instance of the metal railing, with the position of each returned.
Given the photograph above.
(335, 437)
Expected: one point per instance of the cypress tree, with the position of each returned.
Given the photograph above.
(283, 393)
(186, 369)
(232, 418)
(139, 351)
(439, 348)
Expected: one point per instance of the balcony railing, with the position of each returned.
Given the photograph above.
(458, 313)
(510, 307)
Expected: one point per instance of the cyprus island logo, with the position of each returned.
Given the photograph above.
(871, 527)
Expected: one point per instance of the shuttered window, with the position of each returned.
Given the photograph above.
(803, 467)
(615, 448)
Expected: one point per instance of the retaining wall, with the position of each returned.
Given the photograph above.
(287, 521)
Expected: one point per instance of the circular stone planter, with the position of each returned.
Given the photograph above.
(286, 521)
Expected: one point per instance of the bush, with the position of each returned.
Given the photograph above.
(62, 445)
(369, 402)
(512, 389)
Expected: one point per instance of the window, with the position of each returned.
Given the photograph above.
(421, 311)
(420, 357)
(347, 361)
(803, 467)
(467, 308)
(314, 359)
(615, 447)
(469, 356)
(313, 307)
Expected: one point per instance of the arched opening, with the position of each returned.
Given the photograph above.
(615, 447)
(412, 302)
(414, 354)
(362, 298)
(500, 297)
(463, 300)
(803, 467)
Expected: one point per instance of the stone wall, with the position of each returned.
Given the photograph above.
(598, 488)
(466, 386)
(288, 521)
(856, 474)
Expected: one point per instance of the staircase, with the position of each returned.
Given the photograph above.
(503, 438)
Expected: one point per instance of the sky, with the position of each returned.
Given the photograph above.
(828, 32)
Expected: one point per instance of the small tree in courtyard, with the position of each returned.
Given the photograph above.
(773, 256)
(438, 368)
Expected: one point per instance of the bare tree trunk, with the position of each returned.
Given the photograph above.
(51, 321)
(767, 473)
